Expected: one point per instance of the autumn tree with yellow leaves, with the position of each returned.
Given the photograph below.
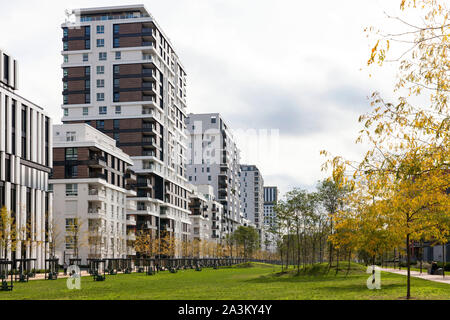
(406, 170)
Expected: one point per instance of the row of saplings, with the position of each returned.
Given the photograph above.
(21, 270)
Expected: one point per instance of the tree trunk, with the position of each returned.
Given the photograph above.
(408, 266)
(443, 260)
(337, 261)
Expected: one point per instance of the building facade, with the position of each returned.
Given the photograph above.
(25, 165)
(270, 201)
(91, 202)
(214, 160)
(122, 76)
(252, 198)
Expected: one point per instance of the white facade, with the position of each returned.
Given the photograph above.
(99, 206)
(214, 160)
(25, 165)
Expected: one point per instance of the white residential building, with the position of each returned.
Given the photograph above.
(90, 195)
(25, 165)
(214, 160)
(122, 76)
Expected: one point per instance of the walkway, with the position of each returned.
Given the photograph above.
(424, 275)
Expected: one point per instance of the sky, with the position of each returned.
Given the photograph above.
(289, 76)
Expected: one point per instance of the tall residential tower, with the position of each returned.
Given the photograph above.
(122, 76)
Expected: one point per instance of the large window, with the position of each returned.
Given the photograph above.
(71, 154)
(71, 190)
(71, 171)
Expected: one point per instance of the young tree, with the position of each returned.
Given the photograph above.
(248, 239)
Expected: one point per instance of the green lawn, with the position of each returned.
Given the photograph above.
(258, 282)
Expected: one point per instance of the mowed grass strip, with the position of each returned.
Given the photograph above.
(246, 282)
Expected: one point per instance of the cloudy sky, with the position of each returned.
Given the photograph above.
(291, 68)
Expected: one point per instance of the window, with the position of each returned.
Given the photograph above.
(87, 98)
(100, 97)
(116, 29)
(66, 46)
(118, 109)
(116, 69)
(100, 29)
(71, 154)
(116, 124)
(87, 31)
(116, 97)
(71, 136)
(85, 57)
(116, 42)
(87, 84)
(117, 137)
(71, 171)
(85, 111)
(118, 55)
(100, 43)
(100, 124)
(65, 99)
(102, 56)
(66, 112)
(65, 32)
(71, 190)
(213, 119)
(100, 69)
(87, 44)
(100, 83)
(102, 110)
(65, 85)
(116, 83)
(65, 72)
(66, 58)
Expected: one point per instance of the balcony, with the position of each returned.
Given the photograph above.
(144, 194)
(149, 153)
(147, 44)
(130, 176)
(97, 175)
(131, 205)
(148, 141)
(131, 221)
(149, 98)
(97, 162)
(144, 183)
(96, 211)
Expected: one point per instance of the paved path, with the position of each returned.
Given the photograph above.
(424, 275)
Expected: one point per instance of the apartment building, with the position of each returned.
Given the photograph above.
(25, 165)
(270, 201)
(206, 214)
(252, 198)
(214, 160)
(92, 206)
(122, 76)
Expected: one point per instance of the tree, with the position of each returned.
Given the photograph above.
(8, 233)
(248, 238)
(409, 150)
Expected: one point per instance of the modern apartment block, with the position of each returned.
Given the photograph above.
(89, 185)
(206, 217)
(252, 199)
(25, 165)
(270, 201)
(122, 76)
(214, 160)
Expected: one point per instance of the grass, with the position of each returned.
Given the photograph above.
(252, 281)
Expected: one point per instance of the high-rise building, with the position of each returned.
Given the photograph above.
(270, 201)
(26, 160)
(90, 196)
(214, 160)
(122, 76)
(252, 199)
